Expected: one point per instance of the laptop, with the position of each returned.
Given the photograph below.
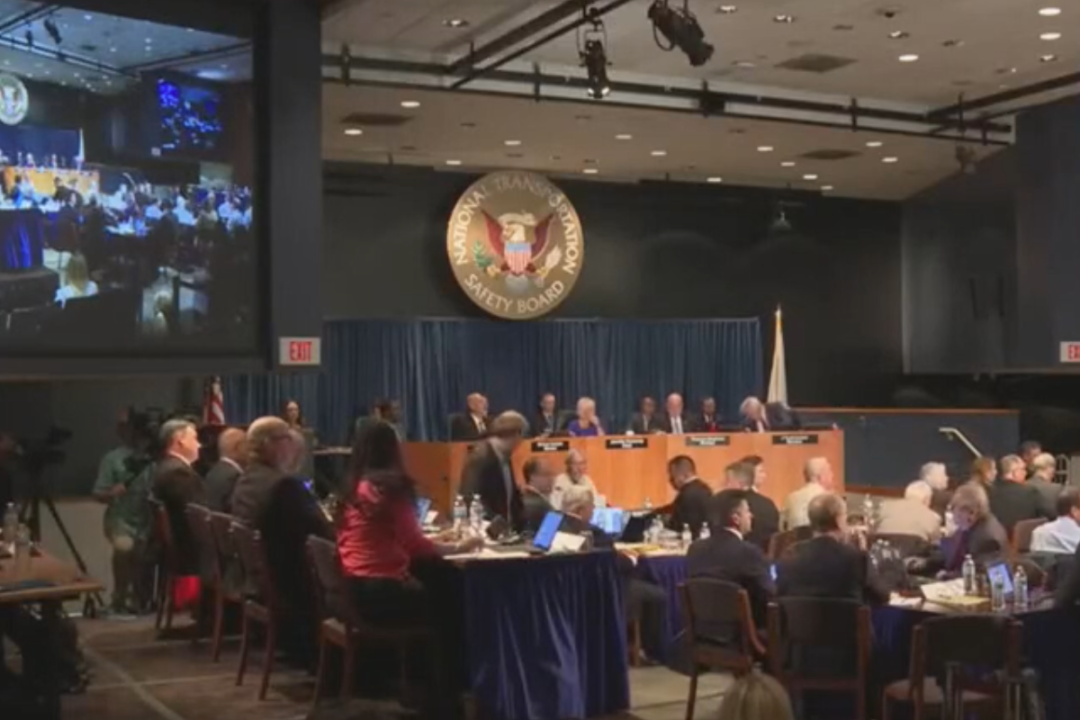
(610, 520)
(545, 536)
(634, 528)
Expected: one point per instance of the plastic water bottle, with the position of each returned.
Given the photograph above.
(460, 514)
(687, 538)
(1020, 589)
(967, 570)
(476, 515)
(705, 533)
(11, 523)
(997, 595)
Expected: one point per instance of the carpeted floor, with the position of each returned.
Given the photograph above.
(136, 677)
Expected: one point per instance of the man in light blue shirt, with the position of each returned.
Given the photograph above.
(1060, 536)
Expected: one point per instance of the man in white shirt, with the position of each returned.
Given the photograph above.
(1060, 536)
(819, 479)
(576, 467)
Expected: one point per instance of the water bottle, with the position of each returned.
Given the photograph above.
(476, 515)
(967, 570)
(687, 538)
(460, 514)
(997, 595)
(868, 511)
(648, 504)
(11, 523)
(705, 533)
(1020, 589)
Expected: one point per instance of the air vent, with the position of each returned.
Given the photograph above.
(375, 120)
(830, 154)
(815, 63)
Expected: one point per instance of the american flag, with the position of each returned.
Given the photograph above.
(213, 403)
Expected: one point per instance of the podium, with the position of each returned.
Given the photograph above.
(631, 469)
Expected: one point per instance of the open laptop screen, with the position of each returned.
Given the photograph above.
(546, 534)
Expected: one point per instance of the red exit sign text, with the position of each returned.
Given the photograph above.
(1070, 352)
(300, 351)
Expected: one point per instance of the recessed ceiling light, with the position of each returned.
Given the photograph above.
(908, 58)
(624, 136)
(744, 64)
(353, 132)
(1047, 58)
(658, 153)
(890, 159)
(765, 148)
(453, 162)
(809, 176)
(1049, 11)
(590, 171)
(899, 35)
(728, 9)
(511, 143)
(786, 19)
(1050, 36)
(788, 163)
(410, 104)
(88, 17)
(714, 179)
(826, 188)
(874, 143)
(456, 22)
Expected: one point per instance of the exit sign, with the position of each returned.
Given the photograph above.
(300, 351)
(1070, 352)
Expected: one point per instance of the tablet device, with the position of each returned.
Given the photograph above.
(423, 504)
(546, 534)
(610, 520)
(999, 572)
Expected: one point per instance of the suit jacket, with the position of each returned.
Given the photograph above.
(176, 484)
(692, 506)
(219, 485)
(285, 513)
(766, 519)
(702, 424)
(1012, 502)
(985, 541)
(1048, 496)
(687, 423)
(545, 425)
(824, 567)
(940, 501)
(909, 517)
(463, 428)
(484, 475)
(777, 417)
(796, 505)
(641, 425)
(534, 508)
(724, 556)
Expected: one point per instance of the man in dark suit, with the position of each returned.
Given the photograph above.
(708, 421)
(746, 475)
(175, 484)
(472, 424)
(1011, 498)
(222, 477)
(536, 497)
(280, 507)
(675, 420)
(826, 566)
(726, 555)
(489, 473)
(693, 497)
(546, 422)
(645, 421)
(767, 417)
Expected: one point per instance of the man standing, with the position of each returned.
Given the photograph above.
(1043, 472)
(693, 497)
(1011, 498)
(536, 497)
(674, 422)
(488, 471)
(819, 479)
(748, 475)
(176, 484)
(1029, 450)
(472, 425)
(221, 480)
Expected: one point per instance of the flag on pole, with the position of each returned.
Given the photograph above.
(778, 374)
(213, 403)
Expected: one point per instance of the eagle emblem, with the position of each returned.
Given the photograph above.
(514, 245)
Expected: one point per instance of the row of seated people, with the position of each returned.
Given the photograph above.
(755, 416)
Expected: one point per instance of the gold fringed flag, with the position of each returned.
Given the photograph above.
(778, 374)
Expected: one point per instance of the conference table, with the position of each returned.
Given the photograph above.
(630, 471)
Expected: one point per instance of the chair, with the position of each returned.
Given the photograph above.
(983, 641)
(264, 608)
(711, 610)
(340, 624)
(780, 543)
(224, 592)
(829, 627)
(198, 520)
(168, 565)
(1021, 535)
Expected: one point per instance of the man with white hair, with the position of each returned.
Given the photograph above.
(1043, 472)
(819, 479)
(766, 417)
(936, 476)
(575, 475)
(911, 515)
(675, 421)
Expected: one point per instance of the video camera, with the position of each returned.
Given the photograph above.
(144, 435)
(36, 455)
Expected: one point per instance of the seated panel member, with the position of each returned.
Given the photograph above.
(546, 422)
(577, 465)
(749, 475)
(675, 420)
(586, 423)
(472, 424)
(708, 421)
(645, 421)
(536, 496)
(911, 515)
(1063, 534)
(726, 555)
(693, 499)
(767, 417)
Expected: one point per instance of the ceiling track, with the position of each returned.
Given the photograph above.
(518, 35)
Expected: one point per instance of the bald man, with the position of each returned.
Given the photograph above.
(675, 420)
(222, 477)
(472, 424)
(819, 479)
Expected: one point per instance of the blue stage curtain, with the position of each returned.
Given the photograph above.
(431, 365)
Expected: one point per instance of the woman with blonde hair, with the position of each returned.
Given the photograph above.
(756, 697)
(586, 423)
(77, 280)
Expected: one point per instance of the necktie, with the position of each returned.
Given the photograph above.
(480, 425)
(676, 425)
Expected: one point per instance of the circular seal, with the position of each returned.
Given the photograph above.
(515, 245)
(14, 100)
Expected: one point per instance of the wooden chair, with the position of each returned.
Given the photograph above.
(780, 543)
(715, 606)
(226, 560)
(341, 625)
(168, 565)
(1021, 535)
(813, 625)
(989, 642)
(264, 608)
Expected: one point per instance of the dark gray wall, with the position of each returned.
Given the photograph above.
(654, 250)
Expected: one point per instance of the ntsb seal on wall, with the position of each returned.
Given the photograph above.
(14, 100)
(515, 245)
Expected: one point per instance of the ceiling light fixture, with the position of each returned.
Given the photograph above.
(765, 148)
(456, 22)
(715, 179)
(410, 104)
(624, 136)
(908, 58)
(890, 160)
(746, 64)
(1050, 36)
(353, 132)
(1048, 58)
(899, 35)
(681, 30)
(809, 176)
(592, 55)
(826, 188)
(728, 9)
(511, 143)
(453, 162)
(1049, 11)
(659, 153)
(788, 163)
(874, 143)
(783, 19)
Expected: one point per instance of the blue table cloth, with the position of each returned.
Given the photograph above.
(667, 572)
(22, 239)
(546, 637)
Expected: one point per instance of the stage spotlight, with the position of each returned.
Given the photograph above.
(53, 30)
(595, 61)
(681, 29)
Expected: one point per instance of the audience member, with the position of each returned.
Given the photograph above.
(576, 466)
(645, 421)
(222, 477)
(1011, 498)
(726, 555)
(911, 515)
(693, 497)
(77, 281)
(756, 696)
(819, 479)
(826, 566)
(547, 417)
(489, 472)
(536, 497)
(708, 421)
(978, 533)
(586, 423)
(390, 413)
(675, 421)
(1029, 450)
(1063, 534)
(1042, 476)
(984, 471)
(936, 477)
(175, 484)
(472, 424)
(749, 474)
(291, 414)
